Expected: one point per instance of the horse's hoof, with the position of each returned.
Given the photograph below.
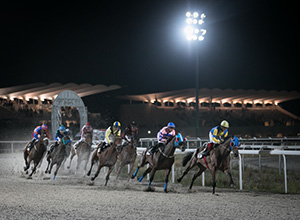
(68, 167)
(149, 189)
(90, 183)
(93, 178)
(29, 177)
(46, 171)
(166, 191)
(179, 180)
(232, 186)
(88, 173)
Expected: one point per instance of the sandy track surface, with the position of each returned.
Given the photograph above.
(70, 197)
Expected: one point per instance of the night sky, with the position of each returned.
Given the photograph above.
(141, 45)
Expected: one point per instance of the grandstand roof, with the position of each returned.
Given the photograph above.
(49, 91)
(219, 95)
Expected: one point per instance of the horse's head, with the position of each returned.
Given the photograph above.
(117, 141)
(180, 142)
(66, 140)
(88, 138)
(233, 146)
(45, 141)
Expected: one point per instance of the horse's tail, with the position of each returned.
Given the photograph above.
(187, 158)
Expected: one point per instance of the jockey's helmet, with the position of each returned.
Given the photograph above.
(224, 124)
(62, 128)
(88, 124)
(44, 127)
(117, 124)
(171, 125)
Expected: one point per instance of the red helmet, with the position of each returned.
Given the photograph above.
(44, 127)
(88, 124)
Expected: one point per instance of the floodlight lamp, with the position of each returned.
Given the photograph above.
(189, 37)
(196, 30)
(201, 38)
(194, 37)
(188, 14)
(189, 21)
(189, 30)
(195, 21)
(203, 31)
(202, 16)
(195, 14)
(200, 22)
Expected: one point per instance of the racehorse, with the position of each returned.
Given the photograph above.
(107, 157)
(83, 152)
(218, 159)
(36, 153)
(58, 155)
(163, 159)
(128, 156)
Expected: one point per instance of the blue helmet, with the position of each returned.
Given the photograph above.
(62, 128)
(171, 125)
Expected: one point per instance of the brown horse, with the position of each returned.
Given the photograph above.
(36, 153)
(58, 155)
(83, 152)
(127, 156)
(106, 158)
(163, 159)
(218, 159)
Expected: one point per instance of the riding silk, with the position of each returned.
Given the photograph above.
(164, 134)
(38, 131)
(216, 133)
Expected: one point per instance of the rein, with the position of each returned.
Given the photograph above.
(66, 142)
(165, 154)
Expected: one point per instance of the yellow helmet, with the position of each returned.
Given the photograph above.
(225, 124)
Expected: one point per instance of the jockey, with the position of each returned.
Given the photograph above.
(60, 133)
(86, 129)
(130, 132)
(37, 134)
(111, 131)
(216, 136)
(163, 136)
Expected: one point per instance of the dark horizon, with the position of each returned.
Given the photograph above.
(141, 45)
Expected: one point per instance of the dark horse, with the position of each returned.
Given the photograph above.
(58, 155)
(163, 159)
(218, 159)
(106, 158)
(83, 152)
(128, 156)
(36, 153)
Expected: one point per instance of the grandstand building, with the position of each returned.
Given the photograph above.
(249, 112)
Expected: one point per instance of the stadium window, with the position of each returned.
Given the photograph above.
(181, 104)
(238, 104)
(204, 104)
(157, 103)
(169, 104)
(249, 105)
(258, 105)
(269, 104)
(227, 104)
(215, 104)
(192, 104)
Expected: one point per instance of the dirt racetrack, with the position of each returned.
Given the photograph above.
(70, 197)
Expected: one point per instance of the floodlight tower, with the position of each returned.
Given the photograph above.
(195, 32)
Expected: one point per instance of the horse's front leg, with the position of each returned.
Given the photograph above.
(108, 173)
(97, 172)
(201, 169)
(57, 167)
(166, 179)
(191, 165)
(130, 170)
(71, 158)
(48, 160)
(213, 174)
(230, 178)
(153, 171)
(34, 169)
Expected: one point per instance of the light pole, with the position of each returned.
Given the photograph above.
(194, 32)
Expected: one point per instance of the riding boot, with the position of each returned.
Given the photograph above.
(76, 145)
(102, 147)
(31, 144)
(204, 152)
